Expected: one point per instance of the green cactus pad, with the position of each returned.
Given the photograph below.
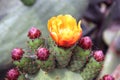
(47, 65)
(57, 74)
(91, 70)
(34, 44)
(62, 55)
(80, 57)
(27, 65)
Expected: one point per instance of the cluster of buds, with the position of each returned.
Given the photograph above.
(21, 57)
(64, 48)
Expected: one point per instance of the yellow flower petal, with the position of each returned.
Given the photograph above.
(64, 30)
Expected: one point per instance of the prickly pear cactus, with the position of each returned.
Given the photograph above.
(32, 66)
(57, 57)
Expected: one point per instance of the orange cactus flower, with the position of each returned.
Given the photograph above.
(64, 30)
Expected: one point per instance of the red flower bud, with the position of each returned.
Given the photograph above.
(85, 42)
(98, 55)
(34, 33)
(43, 54)
(13, 74)
(17, 53)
